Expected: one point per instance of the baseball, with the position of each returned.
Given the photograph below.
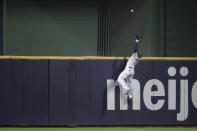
(132, 10)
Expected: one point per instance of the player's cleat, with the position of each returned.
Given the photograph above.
(126, 91)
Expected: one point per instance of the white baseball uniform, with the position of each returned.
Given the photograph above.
(126, 76)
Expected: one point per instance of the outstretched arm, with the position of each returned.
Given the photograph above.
(136, 44)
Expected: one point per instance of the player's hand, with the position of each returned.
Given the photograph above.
(137, 41)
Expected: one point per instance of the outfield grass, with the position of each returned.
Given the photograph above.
(100, 129)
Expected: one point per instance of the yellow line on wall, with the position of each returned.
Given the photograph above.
(94, 57)
(169, 58)
(4, 57)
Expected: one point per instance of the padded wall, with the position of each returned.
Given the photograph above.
(83, 92)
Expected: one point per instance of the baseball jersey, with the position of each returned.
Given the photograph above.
(132, 61)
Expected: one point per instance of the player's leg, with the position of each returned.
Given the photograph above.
(129, 84)
(122, 82)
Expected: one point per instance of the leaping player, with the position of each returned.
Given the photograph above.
(126, 76)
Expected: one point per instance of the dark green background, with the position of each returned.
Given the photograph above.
(181, 27)
(70, 27)
(145, 21)
(51, 28)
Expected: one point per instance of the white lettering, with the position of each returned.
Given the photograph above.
(194, 94)
(110, 94)
(183, 114)
(148, 94)
(172, 94)
(111, 85)
(136, 94)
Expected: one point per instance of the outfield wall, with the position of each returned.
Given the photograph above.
(76, 91)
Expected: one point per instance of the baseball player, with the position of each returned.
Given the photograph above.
(126, 76)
